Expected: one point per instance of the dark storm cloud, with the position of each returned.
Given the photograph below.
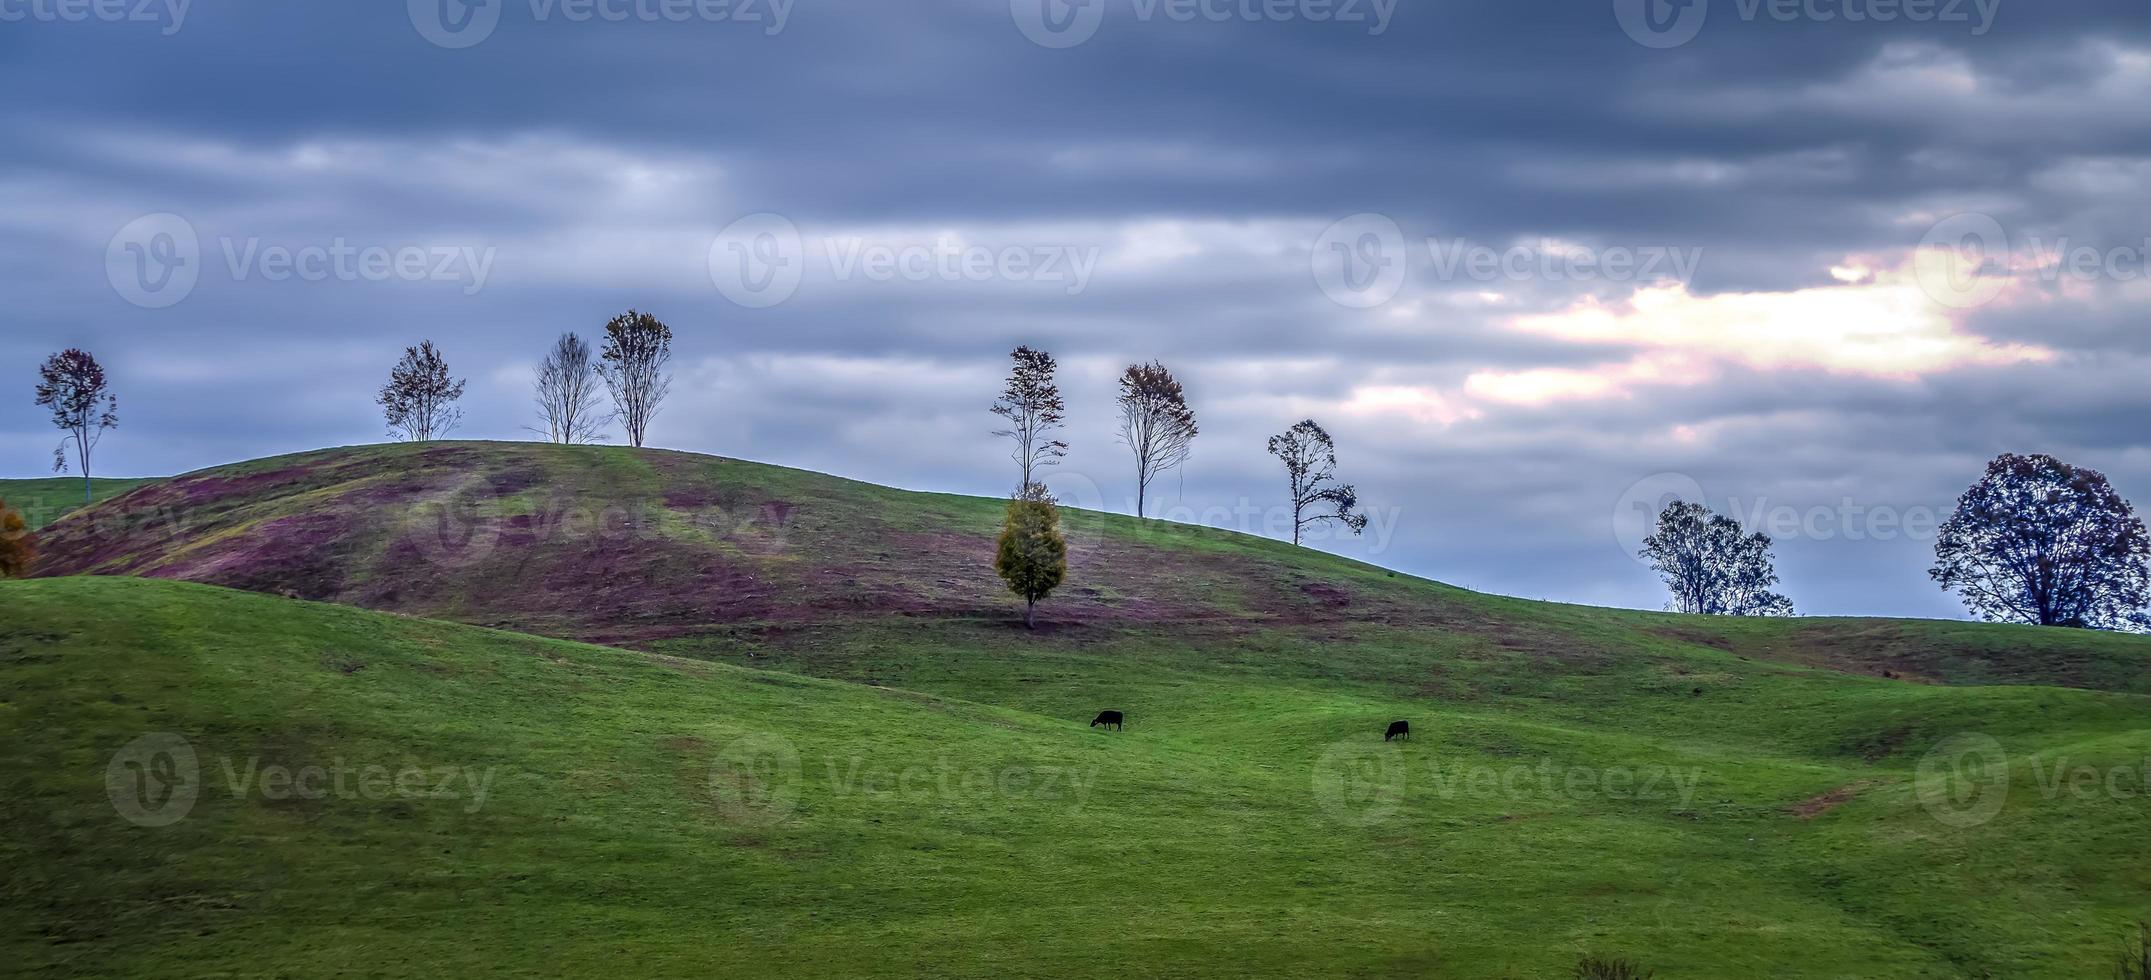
(588, 166)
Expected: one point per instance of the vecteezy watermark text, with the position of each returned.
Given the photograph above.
(1672, 23)
(1363, 260)
(156, 780)
(156, 261)
(1635, 515)
(457, 24)
(1067, 23)
(1362, 781)
(757, 780)
(761, 260)
(167, 15)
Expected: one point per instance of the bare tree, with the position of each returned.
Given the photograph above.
(1311, 465)
(1155, 423)
(419, 399)
(1032, 405)
(568, 393)
(1713, 566)
(635, 368)
(71, 385)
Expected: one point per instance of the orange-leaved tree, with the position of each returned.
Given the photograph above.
(18, 547)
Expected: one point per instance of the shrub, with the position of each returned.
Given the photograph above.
(2135, 962)
(1614, 968)
(18, 547)
(1032, 557)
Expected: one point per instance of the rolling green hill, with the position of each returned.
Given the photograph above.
(833, 750)
(661, 549)
(43, 501)
(403, 797)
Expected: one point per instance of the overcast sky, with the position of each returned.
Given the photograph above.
(1535, 265)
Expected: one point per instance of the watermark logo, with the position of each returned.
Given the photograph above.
(1359, 262)
(1635, 515)
(455, 24)
(454, 530)
(1963, 781)
(154, 261)
(154, 780)
(1963, 261)
(756, 780)
(1968, 260)
(758, 261)
(1661, 23)
(1360, 782)
(1057, 24)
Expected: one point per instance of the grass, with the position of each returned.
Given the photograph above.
(932, 802)
(640, 548)
(43, 501)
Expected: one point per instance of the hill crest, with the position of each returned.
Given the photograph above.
(646, 547)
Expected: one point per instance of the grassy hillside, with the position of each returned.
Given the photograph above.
(648, 548)
(651, 815)
(43, 501)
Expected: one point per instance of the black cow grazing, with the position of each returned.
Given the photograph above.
(1398, 729)
(1110, 719)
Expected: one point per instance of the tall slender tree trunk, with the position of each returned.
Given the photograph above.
(1030, 614)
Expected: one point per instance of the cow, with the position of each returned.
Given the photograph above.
(1110, 719)
(1398, 729)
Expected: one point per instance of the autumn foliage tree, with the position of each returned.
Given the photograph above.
(419, 399)
(1031, 402)
(636, 369)
(1032, 556)
(1712, 565)
(1155, 423)
(1310, 460)
(2042, 542)
(72, 386)
(18, 547)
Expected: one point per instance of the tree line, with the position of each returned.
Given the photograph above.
(2035, 540)
(633, 368)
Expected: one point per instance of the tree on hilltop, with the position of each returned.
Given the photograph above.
(636, 369)
(1031, 402)
(419, 399)
(2041, 542)
(1713, 566)
(72, 386)
(1310, 460)
(1155, 423)
(567, 393)
(1032, 556)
